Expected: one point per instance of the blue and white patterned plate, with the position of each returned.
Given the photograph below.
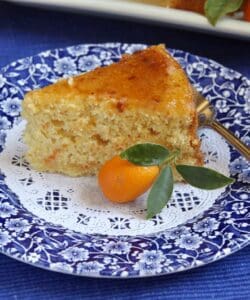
(42, 222)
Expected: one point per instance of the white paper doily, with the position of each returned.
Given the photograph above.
(78, 204)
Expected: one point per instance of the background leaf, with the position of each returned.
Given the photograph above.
(203, 178)
(145, 154)
(160, 193)
(214, 9)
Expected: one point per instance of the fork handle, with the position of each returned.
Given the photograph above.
(231, 138)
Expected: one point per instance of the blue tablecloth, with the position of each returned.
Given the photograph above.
(27, 31)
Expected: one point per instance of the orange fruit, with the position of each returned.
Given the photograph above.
(121, 181)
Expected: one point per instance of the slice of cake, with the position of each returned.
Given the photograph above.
(76, 124)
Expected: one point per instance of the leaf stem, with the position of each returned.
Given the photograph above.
(172, 156)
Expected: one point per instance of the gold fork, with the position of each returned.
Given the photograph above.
(206, 118)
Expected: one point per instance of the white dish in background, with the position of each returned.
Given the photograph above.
(227, 26)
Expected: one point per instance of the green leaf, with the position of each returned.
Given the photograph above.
(214, 9)
(160, 193)
(203, 178)
(145, 154)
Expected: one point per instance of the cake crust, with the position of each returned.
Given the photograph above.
(149, 79)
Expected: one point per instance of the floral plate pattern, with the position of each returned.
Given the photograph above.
(217, 232)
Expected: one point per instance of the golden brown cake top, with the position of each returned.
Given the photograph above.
(148, 79)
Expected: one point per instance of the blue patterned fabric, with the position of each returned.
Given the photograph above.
(27, 31)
